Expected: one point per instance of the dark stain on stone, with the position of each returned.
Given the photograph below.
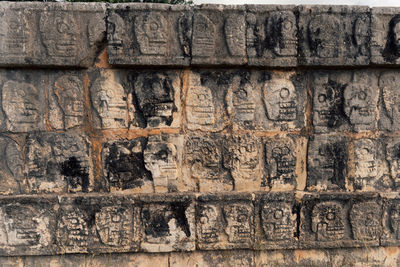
(75, 174)
(178, 210)
(157, 224)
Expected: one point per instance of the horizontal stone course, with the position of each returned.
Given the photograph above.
(99, 223)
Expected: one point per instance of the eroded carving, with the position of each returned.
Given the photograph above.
(151, 33)
(59, 33)
(208, 223)
(389, 84)
(58, 162)
(15, 34)
(328, 221)
(68, 92)
(280, 159)
(73, 228)
(124, 166)
(239, 225)
(365, 157)
(20, 102)
(391, 52)
(365, 219)
(235, 32)
(278, 221)
(280, 99)
(204, 32)
(282, 28)
(109, 101)
(115, 225)
(323, 30)
(392, 156)
(116, 35)
(394, 220)
(12, 180)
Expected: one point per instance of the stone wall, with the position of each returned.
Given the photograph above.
(184, 135)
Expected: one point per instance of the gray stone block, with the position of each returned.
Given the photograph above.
(385, 45)
(391, 220)
(149, 34)
(50, 34)
(27, 226)
(276, 221)
(224, 221)
(58, 163)
(271, 35)
(340, 220)
(389, 108)
(334, 35)
(22, 101)
(219, 35)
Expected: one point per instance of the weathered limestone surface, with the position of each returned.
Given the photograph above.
(149, 134)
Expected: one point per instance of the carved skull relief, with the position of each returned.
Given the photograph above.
(323, 32)
(208, 224)
(278, 221)
(282, 26)
(365, 162)
(328, 221)
(235, 32)
(365, 220)
(151, 32)
(280, 99)
(238, 217)
(116, 35)
(359, 104)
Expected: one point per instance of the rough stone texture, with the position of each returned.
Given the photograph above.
(271, 35)
(280, 148)
(385, 36)
(51, 34)
(143, 34)
(334, 35)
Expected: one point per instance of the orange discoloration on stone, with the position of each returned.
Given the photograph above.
(102, 61)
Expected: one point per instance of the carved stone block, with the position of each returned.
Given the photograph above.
(163, 158)
(97, 224)
(22, 98)
(392, 157)
(242, 156)
(124, 166)
(334, 35)
(149, 34)
(276, 221)
(155, 98)
(385, 30)
(219, 35)
(12, 167)
(58, 163)
(222, 258)
(391, 221)
(66, 100)
(27, 226)
(370, 171)
(271, 35)
(224, 221)
(389, 108)
(204, 163)
(109, 99)
(283, 164)
(168, 223)
(327, 162)
(55, 34)
(340, 220)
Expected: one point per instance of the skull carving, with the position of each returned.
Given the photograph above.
(280, 99)
(389, 83)
(208, 224)
(328, 221)
(108, 98)
(282, 26)
(151, 32)
(394, 220)
(278, 221)
(20, 102)
(59, 33)
(323, 33)
(393, 157)
(241, 100)
(365, 220)
(204, 31)
(281, 161)
(199, 104)
(205, 156)
(235, 32)
(14, 33)
(113, 225)
(238, 217)
(68, 90)
(361, 34)
(359, 104)
(73, 228)
(243, 157)
(365, 162)
(116, 35)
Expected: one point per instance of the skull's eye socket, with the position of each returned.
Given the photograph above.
(278, 214)
(203, 220)
(321, 98)
(276, 152)
(330, 216)
(287, 25)
(284, 93)
(242, 218)
(362, 95)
